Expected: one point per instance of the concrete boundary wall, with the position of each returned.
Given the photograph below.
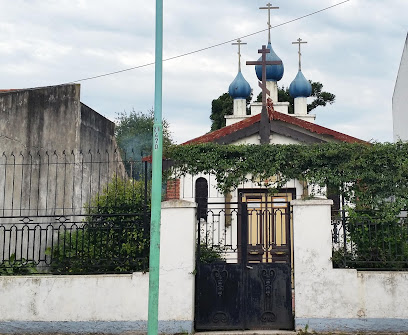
(328, 299)
(110, 303)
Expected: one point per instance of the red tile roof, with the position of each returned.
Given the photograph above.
(315, 128)
(273, 115)
(216, 134)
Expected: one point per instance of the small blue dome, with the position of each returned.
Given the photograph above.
(239, 88)
(273, 72)
(300, 87)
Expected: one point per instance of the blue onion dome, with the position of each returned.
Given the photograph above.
(300, 87)
(273, 72)
(239, 88)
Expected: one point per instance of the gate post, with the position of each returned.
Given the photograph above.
(312, 250)
(244, 235)
(177, 264)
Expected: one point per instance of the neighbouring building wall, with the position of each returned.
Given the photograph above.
(44, 118)
(110, 303)
(400, 99)
(56, 155)
(96, 131)
(53, 119)
(56, 152)
(328, 299)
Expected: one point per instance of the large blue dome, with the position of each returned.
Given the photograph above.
(300, 87)
(239, 88)
(273, 72)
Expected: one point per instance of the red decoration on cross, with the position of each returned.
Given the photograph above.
(269, 105)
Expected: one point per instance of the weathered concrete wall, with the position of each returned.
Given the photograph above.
(110, 303)
(44, 118)
(96, 131)
(330, 299)
(52, 118)
(42, 134)
(56, 154)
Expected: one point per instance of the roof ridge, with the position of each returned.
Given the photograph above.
(211, 136)
(313, 127)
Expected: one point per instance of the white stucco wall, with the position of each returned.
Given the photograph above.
(330, 299)
(400, 99)
(253, 139)
(110, 303)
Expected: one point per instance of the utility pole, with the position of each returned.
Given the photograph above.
(154, 265)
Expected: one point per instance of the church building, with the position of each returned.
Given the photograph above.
(268, 121)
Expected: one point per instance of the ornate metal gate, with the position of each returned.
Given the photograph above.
(243, 278)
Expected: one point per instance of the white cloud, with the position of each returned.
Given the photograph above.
(353, 49)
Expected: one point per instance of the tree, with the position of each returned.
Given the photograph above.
(134, 132)
(321, 98)
(134, 135)
(222, 106)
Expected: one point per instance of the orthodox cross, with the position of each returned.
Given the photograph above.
(239, 43)
(269, 7)
(299, 41)
(264, 128)
(264, 63)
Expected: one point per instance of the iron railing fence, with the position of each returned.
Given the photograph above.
(83, 244)
(64, 183)
(217, 232)
(368, 241)
(87, 198)
(267, 228)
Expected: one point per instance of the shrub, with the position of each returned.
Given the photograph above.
(12, 267)
(114, 236)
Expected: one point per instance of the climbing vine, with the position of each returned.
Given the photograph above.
(372, 176)
(369, 174)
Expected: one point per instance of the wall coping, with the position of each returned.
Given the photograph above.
(313, 202)
(177, 203)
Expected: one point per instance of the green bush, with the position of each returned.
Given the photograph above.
(12, 267)
(210, 254)
(114, 236)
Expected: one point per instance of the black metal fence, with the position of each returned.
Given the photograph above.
(217, 232)
(76, 212)
(368, 241)
(268, 232)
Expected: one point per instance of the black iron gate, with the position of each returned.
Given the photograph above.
(243, 276)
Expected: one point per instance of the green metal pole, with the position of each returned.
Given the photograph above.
(154, 266)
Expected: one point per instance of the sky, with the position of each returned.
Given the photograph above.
(354, 49)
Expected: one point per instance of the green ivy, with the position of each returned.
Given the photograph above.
(373, 176)
(368, 172)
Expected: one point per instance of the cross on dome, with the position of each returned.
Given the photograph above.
(299, 41)
(300, 86)
(239, 43)
(263, 63)
(269, 7)
(239, 88)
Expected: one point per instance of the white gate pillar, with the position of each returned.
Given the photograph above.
(177, 264)
(312, 249)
